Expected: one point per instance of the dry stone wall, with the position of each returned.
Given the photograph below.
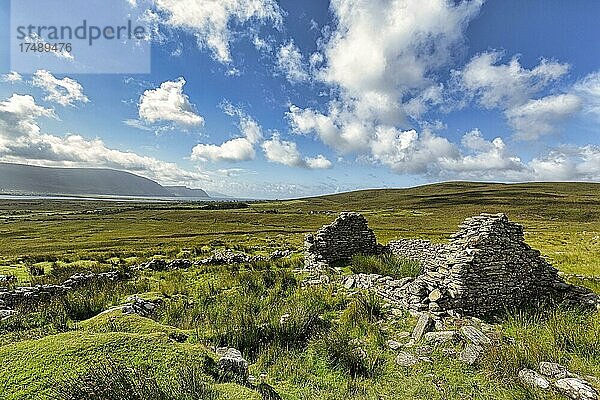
(485, 269)
(348, 235)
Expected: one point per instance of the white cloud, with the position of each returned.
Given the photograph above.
(21, 140)
(287, 153)
(536, 118)
(588, 89)
(511, 88)
(237, 149)
(211, 21)
(289, 61)
(495, 85)
(318, 162)
(65, 92)
(382, 59)
(168, 103)
(12, 77)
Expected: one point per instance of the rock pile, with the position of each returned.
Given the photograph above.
(348, 235)
(139, 306)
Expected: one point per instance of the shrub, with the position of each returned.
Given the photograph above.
(385, 264)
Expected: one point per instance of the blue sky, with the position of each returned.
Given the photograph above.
(284, 99)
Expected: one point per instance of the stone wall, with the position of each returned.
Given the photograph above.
(486, 268)
(348, 235)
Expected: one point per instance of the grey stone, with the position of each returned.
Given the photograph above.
(424, 325)
(233, 366)
(475, 335)
(470, 354)
(576, 389)
(406, 359)
(531, 378)
(435, 295)
(553, 370)
(394, 345)
(441, 337)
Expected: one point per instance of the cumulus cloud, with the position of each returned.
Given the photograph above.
(65, 92)
(21, 140)
(494, 85)
(168, 103)
(12, 77)
(588, 89)
(536, 118)
(211, 21)
(289, 61)
(287, 153)
(381, 59)
(511, 88)
(237, 149)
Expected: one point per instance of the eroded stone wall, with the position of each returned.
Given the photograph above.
(348, 235)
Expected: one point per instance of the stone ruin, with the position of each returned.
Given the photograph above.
(337, 242)
(486, 268)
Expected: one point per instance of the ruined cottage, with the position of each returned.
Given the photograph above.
(486, 267)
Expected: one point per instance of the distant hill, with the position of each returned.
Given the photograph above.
(183, 191)
(28, 179)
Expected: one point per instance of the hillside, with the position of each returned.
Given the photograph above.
(28, 179)
(182, 191)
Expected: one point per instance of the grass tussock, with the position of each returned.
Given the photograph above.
(110, 380)
(385, 264)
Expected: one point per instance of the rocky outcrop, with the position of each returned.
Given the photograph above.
(348, 235)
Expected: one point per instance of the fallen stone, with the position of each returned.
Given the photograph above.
(576, 389)
(232, 366)
(475, 335)
(406, 359)
(553, 370)
(423, 326)
(392, 344)
(471, 354)
(440, 337)
(532, 379)
(435, 295)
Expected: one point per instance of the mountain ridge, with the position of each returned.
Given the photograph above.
(33, 179)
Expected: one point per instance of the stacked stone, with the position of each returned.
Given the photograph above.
(485, 269)
(348, 235)
(9, 299)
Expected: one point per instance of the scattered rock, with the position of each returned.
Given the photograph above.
(471, 354)
(406, 359)
(392, 344)
(232, 365)
(440, 337)
(531, 378)
(576, 389)
(553, 370)
(7, 314)
(424, 325)
(475, 335)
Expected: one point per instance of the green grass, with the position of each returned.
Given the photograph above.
(311, 342)
(385, 264)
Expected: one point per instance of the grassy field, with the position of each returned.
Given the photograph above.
(241, 305)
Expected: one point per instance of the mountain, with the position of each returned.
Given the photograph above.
(183, 191)
(29, 179)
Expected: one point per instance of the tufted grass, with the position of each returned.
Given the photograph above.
(385, 264)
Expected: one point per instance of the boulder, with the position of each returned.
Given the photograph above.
(531, 378)
(576, 389)
(232, 366)
(424, 325)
